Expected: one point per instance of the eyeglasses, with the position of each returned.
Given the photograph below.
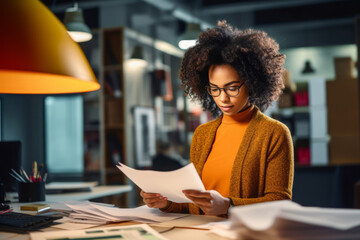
(231, 91)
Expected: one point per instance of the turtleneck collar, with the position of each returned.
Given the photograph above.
(241, 117)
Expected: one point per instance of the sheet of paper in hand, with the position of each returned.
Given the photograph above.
(169, 184)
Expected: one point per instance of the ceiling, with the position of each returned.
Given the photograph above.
(292, 22)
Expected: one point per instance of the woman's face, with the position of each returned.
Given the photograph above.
(225, 76)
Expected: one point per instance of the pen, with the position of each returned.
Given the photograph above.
(34, 171)
(39, 170)
(16, 178)
(25, 174)
(17, 175)
(45, 176)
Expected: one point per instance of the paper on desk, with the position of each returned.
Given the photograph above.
(66, 223)
(169, 184)
(140, 213)
(284, 219)
(63, 206)
(95, 213)
(262, 216)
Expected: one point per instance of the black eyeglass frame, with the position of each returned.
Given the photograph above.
(208, 88)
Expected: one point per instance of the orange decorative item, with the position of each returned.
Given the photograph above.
(37, 55)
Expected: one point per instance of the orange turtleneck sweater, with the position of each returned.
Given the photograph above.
(218, 166)
(263, 168)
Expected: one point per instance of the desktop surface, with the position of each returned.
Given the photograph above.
(97, 192)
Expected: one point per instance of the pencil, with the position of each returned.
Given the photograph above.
(18, 175)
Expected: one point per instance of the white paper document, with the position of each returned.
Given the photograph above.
(95, 213)
(169, 184)
(263, 215)
(288, 220)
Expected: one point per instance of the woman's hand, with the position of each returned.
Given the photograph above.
(154, 200)
(211, 202)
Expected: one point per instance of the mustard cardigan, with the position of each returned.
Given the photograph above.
(263, 169)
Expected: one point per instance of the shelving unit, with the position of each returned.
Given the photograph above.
(112, 101)
(104, 127)
(125, 86)
(92, 106)
(308, 125)
(112, 111)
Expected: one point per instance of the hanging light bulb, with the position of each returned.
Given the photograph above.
(189, 38)
(75, 24)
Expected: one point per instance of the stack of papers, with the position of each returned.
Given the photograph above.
(97, 214)
(288, 220)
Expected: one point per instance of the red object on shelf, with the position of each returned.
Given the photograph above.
(301, 98)
(303, 155)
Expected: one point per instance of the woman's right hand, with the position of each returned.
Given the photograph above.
(154, 200)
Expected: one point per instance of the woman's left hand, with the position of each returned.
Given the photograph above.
(211, 202)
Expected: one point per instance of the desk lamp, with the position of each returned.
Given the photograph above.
(37, 55)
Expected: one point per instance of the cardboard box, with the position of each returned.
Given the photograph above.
(343, 107)
(344, 150)
(344, 68)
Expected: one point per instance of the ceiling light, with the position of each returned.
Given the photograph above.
(137, 58)
(308, 68)
(189, 38)
(37, 55)
(75, 24)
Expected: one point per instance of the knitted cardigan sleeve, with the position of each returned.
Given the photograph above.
(278, 167)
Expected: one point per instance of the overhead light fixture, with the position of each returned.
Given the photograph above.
(37, 55)
(137, 57)
(75, 24)
(308, 68)
(189, 38)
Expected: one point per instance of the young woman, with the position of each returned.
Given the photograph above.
(243, 156)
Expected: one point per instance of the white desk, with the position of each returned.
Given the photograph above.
(97, 192)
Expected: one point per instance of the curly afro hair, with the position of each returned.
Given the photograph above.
(253, 54)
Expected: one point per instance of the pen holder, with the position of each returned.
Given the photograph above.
(31, 192)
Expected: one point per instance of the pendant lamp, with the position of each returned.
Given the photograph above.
(308, 68)
(75, 24)
(189, 38)
(137, 57)
(37, 55)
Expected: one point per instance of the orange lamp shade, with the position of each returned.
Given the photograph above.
(37, 55)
